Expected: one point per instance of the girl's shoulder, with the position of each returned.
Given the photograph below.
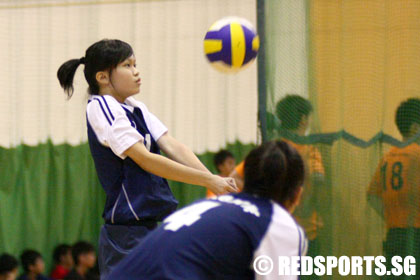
(103, 106)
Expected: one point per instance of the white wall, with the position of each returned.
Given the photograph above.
(202, 108)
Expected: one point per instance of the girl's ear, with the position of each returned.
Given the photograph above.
(102, 78)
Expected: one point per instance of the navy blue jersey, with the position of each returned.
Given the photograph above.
(214, 239)
(133, 194)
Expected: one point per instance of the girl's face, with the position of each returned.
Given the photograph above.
(125, 79)
(227, 166)
(38, 267)
(88, 259)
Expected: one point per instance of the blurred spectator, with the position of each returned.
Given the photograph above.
(224, 163)
(33, 266)
(8, 267)
(63, 261)
(84, 257)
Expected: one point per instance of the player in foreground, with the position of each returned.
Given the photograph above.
(125, 140)
(220, 238)
(395, 189)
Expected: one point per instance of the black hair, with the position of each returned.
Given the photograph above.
(59, 251)
(220, 157)
(274, 170)
(407, 113)
(28, 258)
(103, 55)
(81, 248)
(7, 263)
(291, 109)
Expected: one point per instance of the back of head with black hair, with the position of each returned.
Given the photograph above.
(8, 263)
(59, 251)
(81, 248)
(29, 257)
(291, 109)
(407, 114)
(274, 170)
(220, 157)
(103, 55)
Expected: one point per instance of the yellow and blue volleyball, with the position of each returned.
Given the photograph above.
(231, 44)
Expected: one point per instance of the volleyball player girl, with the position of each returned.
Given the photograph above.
(125, 140)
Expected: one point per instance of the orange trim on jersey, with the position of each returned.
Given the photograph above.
(397, 183)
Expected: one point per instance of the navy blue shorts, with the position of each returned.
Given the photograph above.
(115, 242)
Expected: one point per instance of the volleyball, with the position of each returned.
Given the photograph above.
(231, 44)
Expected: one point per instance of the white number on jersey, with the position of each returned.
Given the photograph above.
(188, 215)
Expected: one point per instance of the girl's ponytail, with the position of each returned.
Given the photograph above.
(65, 74)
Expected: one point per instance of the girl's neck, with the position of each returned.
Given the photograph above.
(117, 97)
(111, 92)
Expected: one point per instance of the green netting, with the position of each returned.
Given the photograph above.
(48, 194)
(51, 194)
(355, 62)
